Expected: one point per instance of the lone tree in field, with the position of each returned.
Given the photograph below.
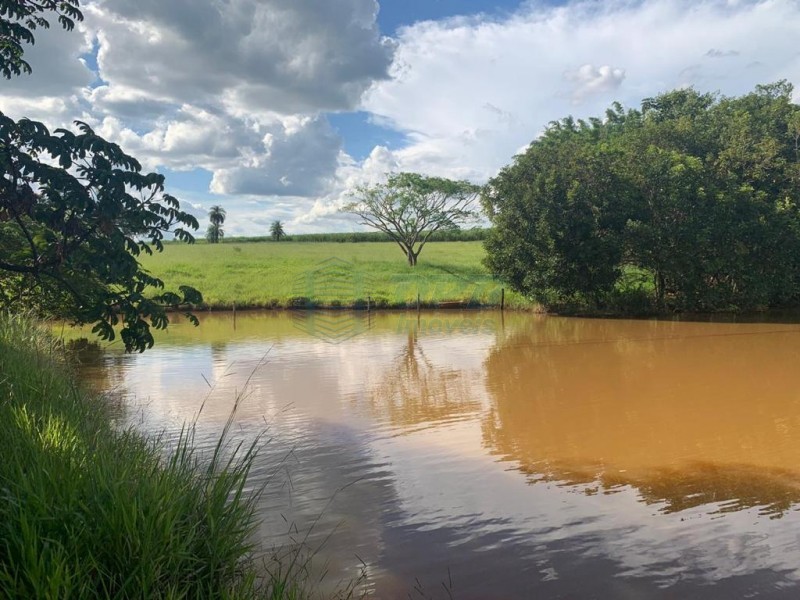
(76, 212)
(410, 208)
(214, 233)
(276, 231)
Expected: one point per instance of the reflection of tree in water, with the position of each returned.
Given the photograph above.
(413, 390)
(219, 353)
(729, 487)
(672, 409)
(735, 487)
(99, 369)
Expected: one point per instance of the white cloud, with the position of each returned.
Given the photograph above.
(297, 157)
(236, 87)
(130, 104)
(53, 92)
(52, 111)
(470, 93)
(350, 175)
(288, 56)
(54, 59)
(192, 137)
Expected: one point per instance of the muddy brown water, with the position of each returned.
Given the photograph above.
(480, 455)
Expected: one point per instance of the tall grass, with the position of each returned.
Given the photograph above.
(87, 511)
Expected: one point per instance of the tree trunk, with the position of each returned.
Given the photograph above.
(660, 285)
(412, 258)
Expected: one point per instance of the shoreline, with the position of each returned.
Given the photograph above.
(791, 313)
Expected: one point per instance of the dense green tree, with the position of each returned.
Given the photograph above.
(215, 233)
(76, 212)
(410, 208)
(556, 234)
(715, 236)
(697, 191)
(276, 231)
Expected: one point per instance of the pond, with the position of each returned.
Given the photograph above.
(487, 455)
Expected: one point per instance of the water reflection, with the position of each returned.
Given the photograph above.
(688, 413)
(414, 391)
(529, 456)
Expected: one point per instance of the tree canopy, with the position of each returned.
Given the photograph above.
(215, 233)
(76, 212)
(276, 231)
(410, 208)
(694, 194)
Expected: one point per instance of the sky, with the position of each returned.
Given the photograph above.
(278, 109)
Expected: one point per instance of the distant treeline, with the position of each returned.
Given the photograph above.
(459, 235)
(690, 203)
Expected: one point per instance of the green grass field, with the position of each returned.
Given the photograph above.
(293, 274)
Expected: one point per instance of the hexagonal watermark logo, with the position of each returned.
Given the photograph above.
(331, 326)
(320, 296)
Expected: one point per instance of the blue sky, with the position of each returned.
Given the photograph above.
(394, 14)
(277, 109)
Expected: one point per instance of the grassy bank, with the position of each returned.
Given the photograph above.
(91, 512)
(296, 274)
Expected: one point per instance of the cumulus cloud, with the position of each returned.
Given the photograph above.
(129, 104)
(192, 137)
(53, 92)
(288, 55)
(469, 93)
(297, 158)
(51, 110)
(288, 156)
(55, 61)
(236, 87)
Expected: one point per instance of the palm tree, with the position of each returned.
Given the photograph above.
(276, 230)
(214, 233)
